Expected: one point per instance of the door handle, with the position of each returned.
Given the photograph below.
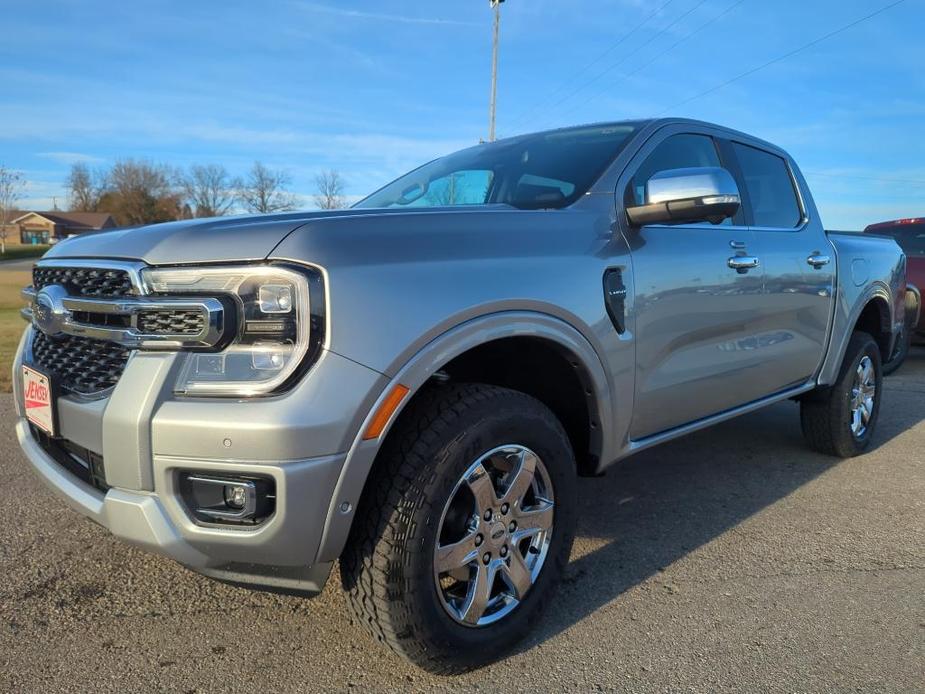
(743, 262)
(817, 261)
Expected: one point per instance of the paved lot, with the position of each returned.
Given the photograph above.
(732, 560)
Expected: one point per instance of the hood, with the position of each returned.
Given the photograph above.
(217, 239)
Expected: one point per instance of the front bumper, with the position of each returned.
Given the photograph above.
(146, 437)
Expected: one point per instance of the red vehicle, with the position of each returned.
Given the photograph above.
(910, 235)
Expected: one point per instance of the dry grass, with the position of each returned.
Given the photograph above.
(11, 325)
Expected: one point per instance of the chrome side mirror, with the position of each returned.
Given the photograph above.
(703, 194)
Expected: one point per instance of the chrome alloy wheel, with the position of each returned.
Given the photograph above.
(863, 393)
(494, 535)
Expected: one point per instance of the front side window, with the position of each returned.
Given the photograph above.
(548, 170)
(770, 188)
(677, 152)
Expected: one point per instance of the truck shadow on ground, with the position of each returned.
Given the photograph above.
(658, 506)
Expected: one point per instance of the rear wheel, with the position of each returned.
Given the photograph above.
(464, 528)
(840, 420)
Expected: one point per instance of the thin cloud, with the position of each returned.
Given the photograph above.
(376, 16)
(70, 157)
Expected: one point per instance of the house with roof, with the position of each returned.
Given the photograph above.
(49, 227)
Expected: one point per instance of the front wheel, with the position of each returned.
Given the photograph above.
(840, 419)
(465, 527)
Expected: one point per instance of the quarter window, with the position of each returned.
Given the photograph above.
(770, 188)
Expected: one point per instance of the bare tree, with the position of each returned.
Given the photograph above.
(11, 188)
(209, 190)
(140, 192)
(264, 190)
(330, 186)
(85, 189)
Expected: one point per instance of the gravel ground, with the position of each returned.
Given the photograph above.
(731, 560)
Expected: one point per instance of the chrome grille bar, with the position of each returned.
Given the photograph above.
(210, 310)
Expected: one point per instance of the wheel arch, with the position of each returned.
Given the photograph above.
(875, 319)
(869, 311)
(467, 338)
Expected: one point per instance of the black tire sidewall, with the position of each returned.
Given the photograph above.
(861, 345)
(512, 424)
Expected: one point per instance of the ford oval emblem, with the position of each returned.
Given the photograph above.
(48, 312)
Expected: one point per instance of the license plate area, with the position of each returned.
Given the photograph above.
(39, 399)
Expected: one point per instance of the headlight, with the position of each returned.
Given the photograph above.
(272, 327)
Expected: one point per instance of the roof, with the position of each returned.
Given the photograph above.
(85, 220)
(8, 216)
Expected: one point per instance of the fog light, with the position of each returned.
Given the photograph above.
(235, 496)
(227, 499)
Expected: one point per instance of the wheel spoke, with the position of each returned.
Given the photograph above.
(479, 594)
(457, 554)
(521, 478)
(535, 519)
(856, 420)
(517, 575)
(482, 488)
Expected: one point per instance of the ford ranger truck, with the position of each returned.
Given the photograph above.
(412, 386)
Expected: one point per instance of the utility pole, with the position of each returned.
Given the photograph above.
(496, 6)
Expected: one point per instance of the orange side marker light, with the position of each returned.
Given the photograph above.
(385, 411)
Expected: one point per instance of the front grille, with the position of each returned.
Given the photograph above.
(173, 322)
(83, 281)
(80, 364)
(80, 462)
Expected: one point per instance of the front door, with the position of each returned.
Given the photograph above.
(698, 350)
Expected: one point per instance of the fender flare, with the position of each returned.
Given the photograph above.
(421, 367)
(843, 325)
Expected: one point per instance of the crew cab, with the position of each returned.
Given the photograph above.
(412, 386)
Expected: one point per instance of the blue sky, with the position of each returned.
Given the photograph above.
(375, 88)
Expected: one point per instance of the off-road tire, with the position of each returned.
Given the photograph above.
(825, 413)
(387, 566)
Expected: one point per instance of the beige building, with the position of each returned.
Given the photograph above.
(48, 227)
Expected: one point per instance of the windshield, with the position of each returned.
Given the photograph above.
(545, 170)
(910, 237)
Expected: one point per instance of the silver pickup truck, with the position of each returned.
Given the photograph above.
(412, 386)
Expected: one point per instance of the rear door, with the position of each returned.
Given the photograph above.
(795, 307)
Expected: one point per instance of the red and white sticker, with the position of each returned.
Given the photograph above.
(38, 400)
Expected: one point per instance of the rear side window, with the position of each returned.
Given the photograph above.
(770, 188)
(677, 152)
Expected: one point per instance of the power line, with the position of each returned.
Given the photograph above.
(658, 56)
(653, 38)
(783, 57)
(619, 42)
